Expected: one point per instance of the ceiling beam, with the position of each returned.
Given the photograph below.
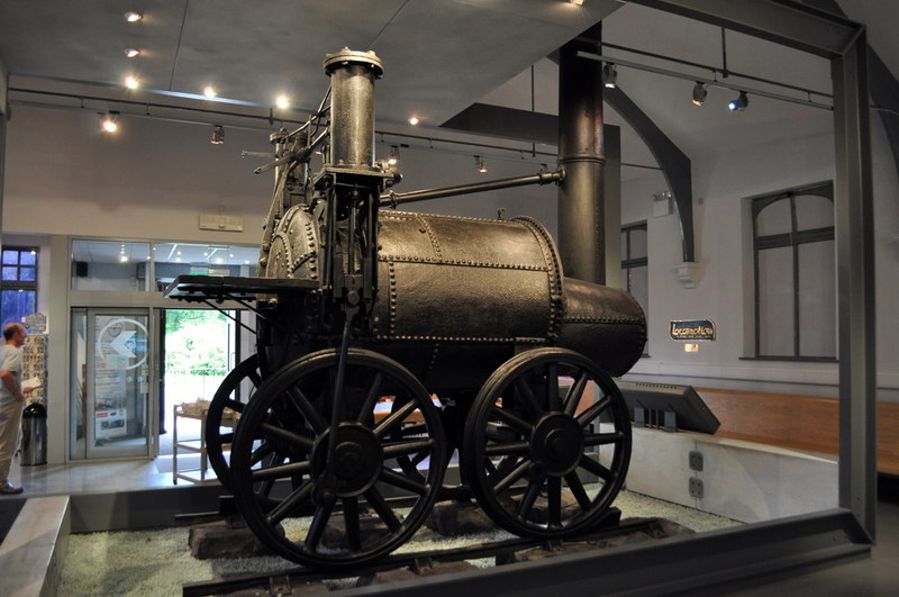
(785, 22)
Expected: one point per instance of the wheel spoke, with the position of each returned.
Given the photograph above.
(260, 453)
(382, 508)
(255, 378)
(527, 396)
(235, 405)
(371, 398)
(575, 392)
(530, 496)
(226, 438)
(596, 468)
(394, 419)
(319, 522)
(417, 429)
(553, 400)
(398, 480)
(499, 434)
(307, 409)
(587, 417)
(506, 449)
(270, 431)
(296, 497)
(554, 499)
(406, 448)
(517, 473)
(281, 471)
(512, 420)
(351, 521)
(602, 439)
(577, 488)
(419, 458)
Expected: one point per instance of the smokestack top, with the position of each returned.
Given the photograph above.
(347, 56)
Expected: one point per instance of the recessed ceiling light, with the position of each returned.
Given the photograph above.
(132, 52)
(131, 82)
(209, 91)
(123, 258)
(577, 2)
(282, 102)
(413, 120)
(177, 260)
(133, 17)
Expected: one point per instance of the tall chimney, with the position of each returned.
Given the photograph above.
(581, 225)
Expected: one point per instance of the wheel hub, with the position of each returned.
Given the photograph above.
(557, 444)
(357, 459)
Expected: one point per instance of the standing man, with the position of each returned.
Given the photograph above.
(11, 401)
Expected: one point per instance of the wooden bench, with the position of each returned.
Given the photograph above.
(800, 422)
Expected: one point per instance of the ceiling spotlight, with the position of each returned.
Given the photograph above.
(282, 102)
(609, 76)
(218, 135)
(132, 52)
(480, 165)
(123, 258)
(131, 82)
(413, 120)
(739, 103)
(699, 94)
(394, 156)
(577, 2)
(133, 17)
(209, 91)
(108, 123)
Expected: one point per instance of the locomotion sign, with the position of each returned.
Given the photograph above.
(693, 329)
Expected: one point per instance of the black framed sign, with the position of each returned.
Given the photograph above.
(692, 330)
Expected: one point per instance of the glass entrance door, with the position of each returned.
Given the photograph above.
(114, 402)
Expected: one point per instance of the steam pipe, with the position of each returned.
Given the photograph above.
(393, 199)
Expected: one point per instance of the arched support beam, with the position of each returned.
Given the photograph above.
(675, 164)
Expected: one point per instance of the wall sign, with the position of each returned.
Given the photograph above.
(690, 330)
(36, 323)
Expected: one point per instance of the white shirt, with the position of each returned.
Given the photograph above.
(10, 360)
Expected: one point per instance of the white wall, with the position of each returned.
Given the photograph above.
(724, 293)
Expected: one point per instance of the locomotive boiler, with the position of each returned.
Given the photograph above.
(387, 340)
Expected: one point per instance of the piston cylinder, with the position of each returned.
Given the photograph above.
(353, 75)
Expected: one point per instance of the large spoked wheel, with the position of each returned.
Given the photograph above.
(339, 515)
(530, 443)
(223, 406)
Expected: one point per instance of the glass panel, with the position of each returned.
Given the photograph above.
(174, 259)
(775, 267)
(813, 211)
(638, 284)
(623, 253)
(119, 386)
(817, 300)
(26, 274)
(10, 273)
(15, 304)
(78, 387)
(28, 257)
(109, 265)
(774, 219)
(10, 256)
(638, 243)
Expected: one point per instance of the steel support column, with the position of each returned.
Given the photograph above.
(854, 228)
(4, 114)
(581, 224)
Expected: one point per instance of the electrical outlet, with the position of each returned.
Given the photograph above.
(697, 490)
(696, 460)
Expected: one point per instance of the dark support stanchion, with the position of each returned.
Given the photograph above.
(853, 210)
(581, 224)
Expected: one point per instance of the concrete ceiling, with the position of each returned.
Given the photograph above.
(440, 55)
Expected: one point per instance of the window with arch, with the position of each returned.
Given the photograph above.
(795, 274)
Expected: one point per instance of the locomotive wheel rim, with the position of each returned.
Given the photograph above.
(481, 425)
(316, 492)
(221, 400)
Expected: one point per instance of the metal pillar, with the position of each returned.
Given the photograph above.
(854, 225)
(581, 225)
(4, 111)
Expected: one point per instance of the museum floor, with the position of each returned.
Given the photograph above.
(878, 575)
